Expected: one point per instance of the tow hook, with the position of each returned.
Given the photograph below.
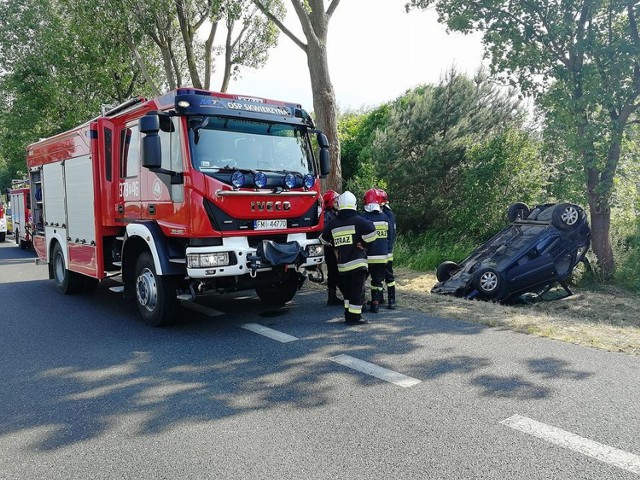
(254, 265)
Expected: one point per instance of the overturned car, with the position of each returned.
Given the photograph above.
(540, 248)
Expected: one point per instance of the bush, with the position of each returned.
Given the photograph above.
(425, 252)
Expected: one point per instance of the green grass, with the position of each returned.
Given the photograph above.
(425, 252)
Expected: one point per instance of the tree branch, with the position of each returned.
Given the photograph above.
(332, 7)
(305, 21)
(280, 25)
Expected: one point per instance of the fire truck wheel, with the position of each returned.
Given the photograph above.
(279, 293)
(156, 295)
(66, 282)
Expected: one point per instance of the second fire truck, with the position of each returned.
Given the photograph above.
(186, 194)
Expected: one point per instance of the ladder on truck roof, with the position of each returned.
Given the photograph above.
(110, 110)
(20, 183)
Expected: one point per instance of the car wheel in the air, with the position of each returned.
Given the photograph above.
(517, 211)
(567, 216)
(446, 270)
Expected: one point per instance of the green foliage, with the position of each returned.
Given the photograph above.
(357, 131)
(454, 156)
(428, 250)
(57, 71)
(365, 179)
(580, 59)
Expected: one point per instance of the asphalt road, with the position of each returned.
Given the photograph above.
(88, 391)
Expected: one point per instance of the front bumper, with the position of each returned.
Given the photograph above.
(240, 252)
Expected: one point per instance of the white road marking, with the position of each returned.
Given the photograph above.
(375, 371)
(209, 312)
(599, 451)
(269, 332)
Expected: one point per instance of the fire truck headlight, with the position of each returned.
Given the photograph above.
(315, 250)
(260, 180)
(237, 179)
(206, 260)
(309, 180)
(289, 180)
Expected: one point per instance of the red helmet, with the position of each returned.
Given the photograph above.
(330, 197)
(383, 198)
(371, 196)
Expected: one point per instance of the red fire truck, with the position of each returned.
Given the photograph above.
(190, 193)
(21, 212)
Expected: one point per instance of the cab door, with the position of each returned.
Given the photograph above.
(128, 206)
(161, 199)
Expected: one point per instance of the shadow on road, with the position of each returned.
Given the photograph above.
(76, 368)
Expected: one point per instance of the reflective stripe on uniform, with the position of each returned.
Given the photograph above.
(352, 265)
(382, 229)
(390, 257)
(377, 259)
(357, 309)
(346, 230)
(391, 284)
(370, 237)
(375, 289)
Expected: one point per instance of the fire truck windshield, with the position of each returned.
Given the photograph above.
(226, 143)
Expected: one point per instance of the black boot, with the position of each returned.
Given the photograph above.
(333, 298)
(376, 301)
(391, 291)
(375, 306)
(355, 319)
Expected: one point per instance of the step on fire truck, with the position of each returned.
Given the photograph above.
(21, 212)
(191, 193)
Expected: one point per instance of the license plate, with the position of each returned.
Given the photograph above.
(269, 224)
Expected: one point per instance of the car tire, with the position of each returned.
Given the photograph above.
(567, 216)
(279, 293)
(517, 211)
(156, 295)
(446, 270)
(488, 282)
(67, 282)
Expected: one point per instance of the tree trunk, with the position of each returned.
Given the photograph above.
(601, 238)
(187, 36)
(324, 107)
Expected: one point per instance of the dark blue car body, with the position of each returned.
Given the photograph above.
(539, 249)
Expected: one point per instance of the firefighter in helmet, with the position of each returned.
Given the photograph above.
(391, 238)
(330, 198)
(377, 252)
(350, 234)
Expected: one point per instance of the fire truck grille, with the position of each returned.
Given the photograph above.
(222, 222)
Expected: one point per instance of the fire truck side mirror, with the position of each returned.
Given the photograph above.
(150, 147)
(325, 162)
(150, 123)
(323, 142)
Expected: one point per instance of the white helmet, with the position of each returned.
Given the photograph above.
(347, 201)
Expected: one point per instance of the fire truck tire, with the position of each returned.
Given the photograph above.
(279, 293)
(156, 295)
(67, 282)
